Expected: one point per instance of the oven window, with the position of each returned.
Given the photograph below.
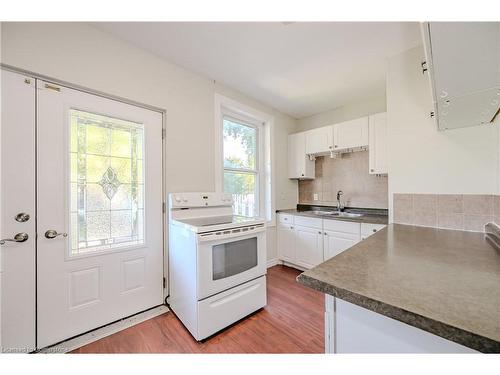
(233, 258)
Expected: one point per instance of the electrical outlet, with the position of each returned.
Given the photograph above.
(315, 197)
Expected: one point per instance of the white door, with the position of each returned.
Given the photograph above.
(99, 254)
(286, 242)
(337, 242)
(17, 214)
(308, 246)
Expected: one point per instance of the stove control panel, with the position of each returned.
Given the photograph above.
(191, 200)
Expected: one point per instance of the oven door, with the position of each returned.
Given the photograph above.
(230, 258)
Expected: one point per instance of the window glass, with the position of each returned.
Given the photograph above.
(106, 182)
(240, 145)
(232, 258)
(241, 174)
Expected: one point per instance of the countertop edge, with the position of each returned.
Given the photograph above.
(367, 219)
(471, 340)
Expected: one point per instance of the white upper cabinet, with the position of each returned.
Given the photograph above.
(319, 141)
(377, 147)
(351, 134)
(299, 165)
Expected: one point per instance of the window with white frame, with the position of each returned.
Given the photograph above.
(241, 164)
(244, 157)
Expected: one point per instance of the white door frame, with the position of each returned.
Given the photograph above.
(162, 111)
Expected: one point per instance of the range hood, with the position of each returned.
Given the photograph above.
(463, 62)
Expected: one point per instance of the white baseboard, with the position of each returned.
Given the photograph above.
(291, 265)
(273, 262)
(87, 338)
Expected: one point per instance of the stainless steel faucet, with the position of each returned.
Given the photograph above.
(339, 205)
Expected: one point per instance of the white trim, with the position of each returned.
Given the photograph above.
(108, 330)
(273, 262)
(224, 104)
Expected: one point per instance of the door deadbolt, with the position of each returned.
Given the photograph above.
(22, 217)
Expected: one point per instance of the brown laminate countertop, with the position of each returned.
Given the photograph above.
(446, 282)
(365, 218)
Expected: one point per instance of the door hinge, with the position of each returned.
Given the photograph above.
(423, 65)
(164, 207)
(164, 282)
(163, 133)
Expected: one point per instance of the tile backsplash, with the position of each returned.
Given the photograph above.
(349, 174)
(451, 211)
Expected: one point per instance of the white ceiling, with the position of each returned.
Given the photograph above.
(298, 68)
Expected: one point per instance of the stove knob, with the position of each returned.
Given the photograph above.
(177, 199)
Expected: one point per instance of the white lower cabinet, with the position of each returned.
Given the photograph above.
(353, 329)
(368, 229)
(336, 242)
(286, 242)
(308, 246)
(307, 241)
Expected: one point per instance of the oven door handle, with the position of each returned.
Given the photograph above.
(230, 233)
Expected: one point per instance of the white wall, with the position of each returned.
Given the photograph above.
(423, 159)
(83, 55)
(348, 112)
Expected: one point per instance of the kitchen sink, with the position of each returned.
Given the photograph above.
(334, 213)
(345, 214)
(322, 212)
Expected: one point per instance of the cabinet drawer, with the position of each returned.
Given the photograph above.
(342, 226)
(217, 312)
(368, 229)
(311, 222)
(285, 218)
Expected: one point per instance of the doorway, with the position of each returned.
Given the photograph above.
(90, 180)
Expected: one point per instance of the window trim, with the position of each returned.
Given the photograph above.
(265, 123)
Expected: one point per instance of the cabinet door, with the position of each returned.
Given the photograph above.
(308, 246)
(377, 137)
(337, 242)
(319, 140)
(368, 229)
(350, 134)
(286, 242)
(299, 165)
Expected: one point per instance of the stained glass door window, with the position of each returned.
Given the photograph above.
(106, 182)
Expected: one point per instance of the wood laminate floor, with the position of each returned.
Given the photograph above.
(292, 322)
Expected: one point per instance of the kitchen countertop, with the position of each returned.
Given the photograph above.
(445, 282)
(366, 218)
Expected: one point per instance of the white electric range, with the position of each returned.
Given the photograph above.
(217, 262)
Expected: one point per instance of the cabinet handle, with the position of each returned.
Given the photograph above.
(336, 146)
(320, 232)
(372, 170)
(291, 227)
(374, 230)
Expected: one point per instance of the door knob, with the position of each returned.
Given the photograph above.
(51, 233)
(20, 237)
